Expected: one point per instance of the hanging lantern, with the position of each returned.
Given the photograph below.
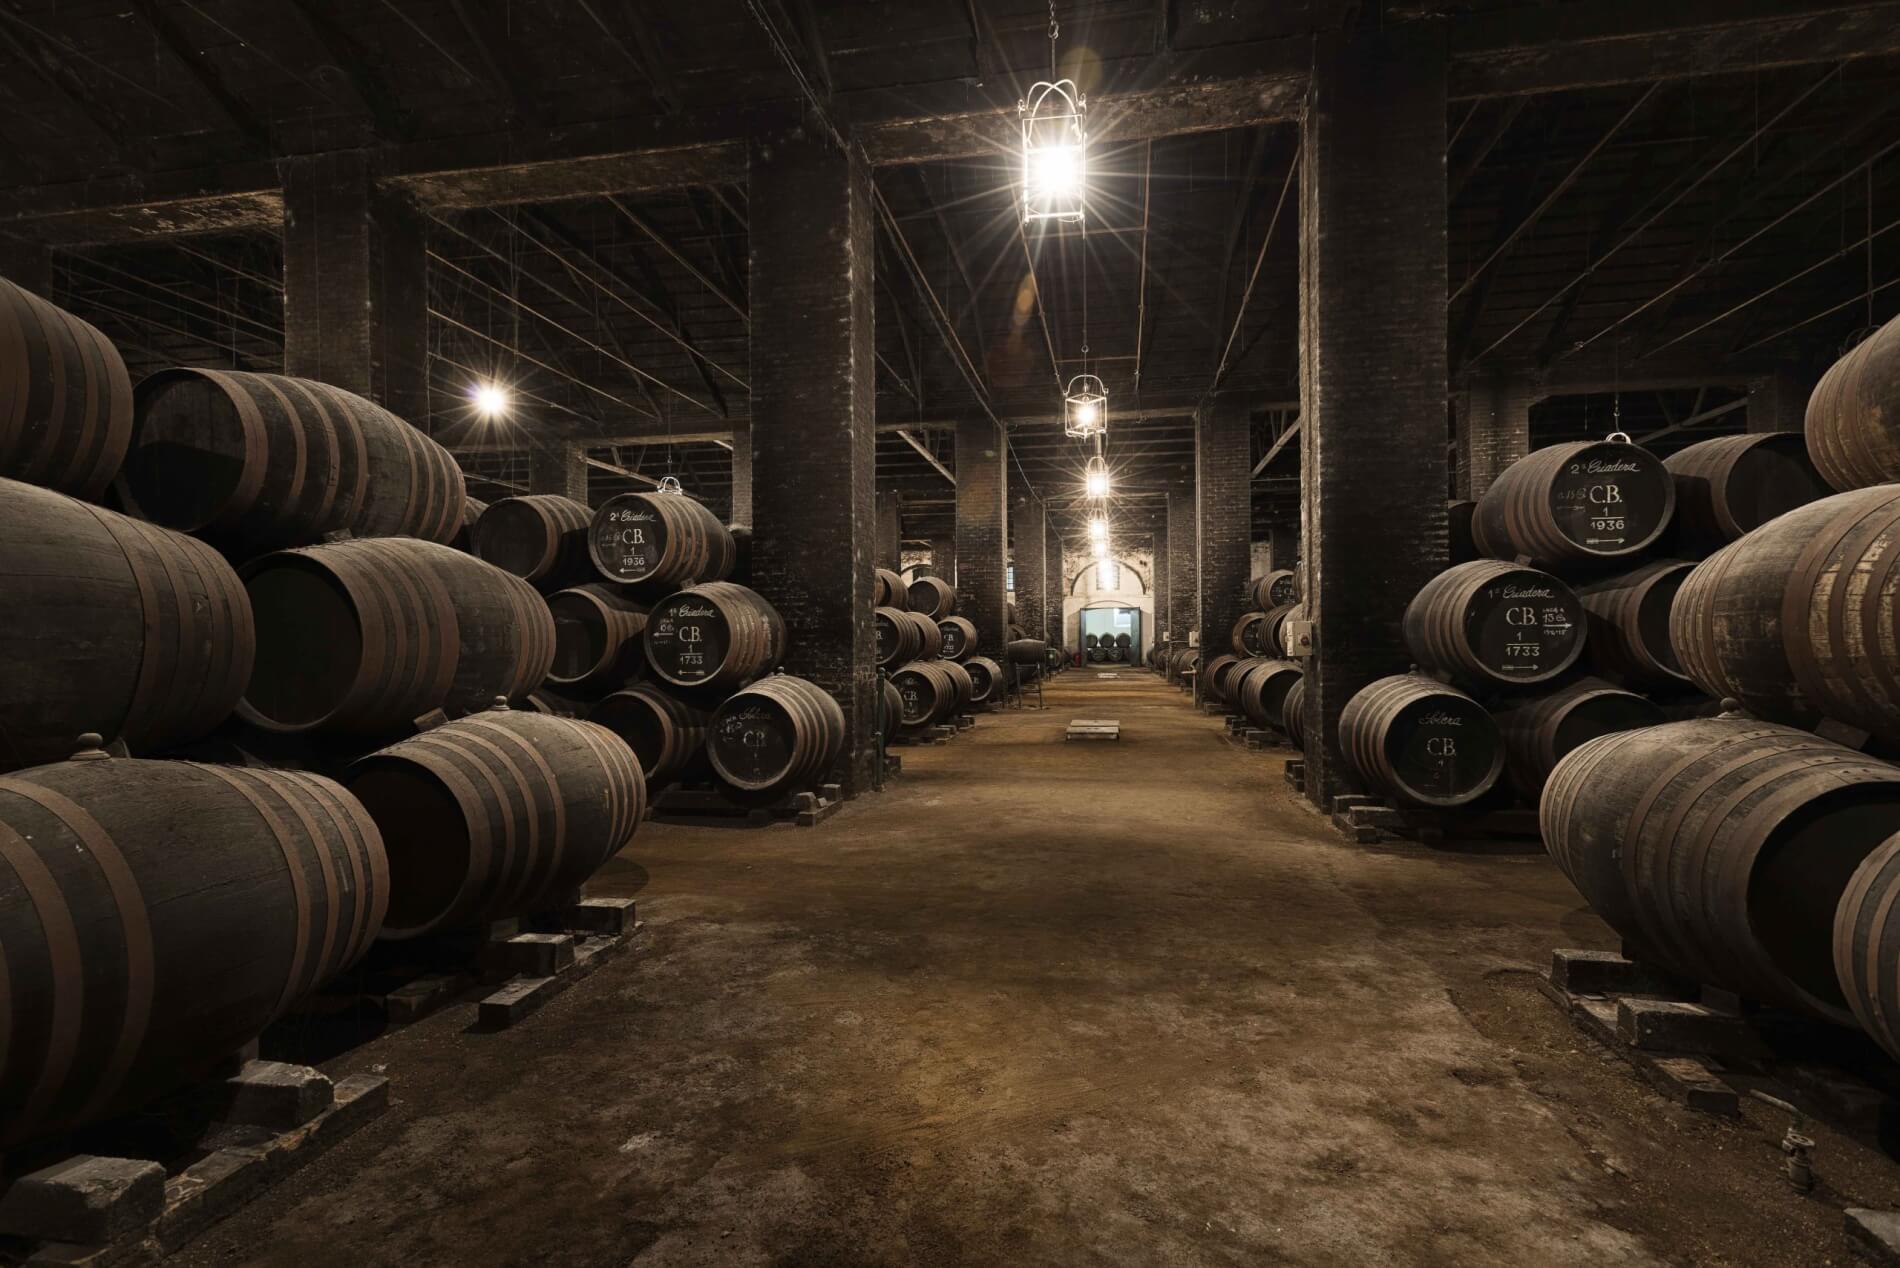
(670, 484)
(1098, 528)
(1095, 478)
(1099, 549)
(1085, 407)
(1055, 153)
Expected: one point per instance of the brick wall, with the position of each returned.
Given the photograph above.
(943, 557)
(742, 474)
(889, 532)
(1494, 430)
(1223, 517)
(1779, 402)
(982, 540)
(1028, 555)
(1184, 584)
(560, 467)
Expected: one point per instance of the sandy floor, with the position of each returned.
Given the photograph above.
(1047, 1003)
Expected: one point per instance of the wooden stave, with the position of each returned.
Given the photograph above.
(1243, 630)
(906, 641)
(937, 601)
(1364, 729)
(1259, 686)
(620, 619)
(1709, 514)
(60, 370)
(965, 685)
(1293, 713)
(699, 548)
(965, 627)
(929, 635)
(1513, 518)
(1260, 589)
(303, 871)
(986, 678)
(1613, 606)
(1866, 945)
(1532, 727)
(889, 590)
(1434, 624)
(637, 713)
(1214, 677)
(550, 530)
(757, 640)
(816, 722)
(942, 688)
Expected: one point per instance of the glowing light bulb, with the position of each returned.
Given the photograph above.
(1098, 484)
(1098, 529)
(1086, 413)
(1058, 172)
(491, 399)
(1101, 550)
(1105, 576)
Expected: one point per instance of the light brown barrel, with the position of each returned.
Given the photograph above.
(367, 636)
(1628, 617)
(716, 636)
(539, 537)
(1722, 847)
(472, 509)
(959, 637)
(1576, 503)
(1279, 588)
(1853, 422)
(890, 590)
(255, 462)
(1260, 688)
(1489, 624)
(65, 398)
(1796, 619)
(1867, 945)
(929, 693)
(1293, 714)
(158, 916)
(112, 625)
(1539, 731)
(986, 678)
(779, 735)
(899, 639)
(929, 635)
(1420, 742)
(499, 814)
(665, 538)
(597, 632)
(666, 729)
(1730, 486)
(932, 596)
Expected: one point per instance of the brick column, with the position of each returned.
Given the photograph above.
(1372, 364)
(1283, 546)
(1778, 402)
(1056, 587)
(1031, 558)
(558, 466)
(1184, 573)
(943, 556)
(813, 395)
(982, 541)
(1160, 578)
(1494, 430)
(742, 474)
(1223, 517)
(890, 542)
(356, 288)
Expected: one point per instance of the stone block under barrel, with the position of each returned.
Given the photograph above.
(1489, 624)
(1421, 742)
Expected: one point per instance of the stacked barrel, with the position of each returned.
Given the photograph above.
(933, 659)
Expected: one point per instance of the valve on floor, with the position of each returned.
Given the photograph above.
(1797, 1148)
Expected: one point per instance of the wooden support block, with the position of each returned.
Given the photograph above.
(515, 1000)
(600, 915)
(532, 954)
(1359, 834)
(275, 1095)
(1667, 1025)
(1582, 972)
(85, 1199)
(421, 996)
(1875, 1235)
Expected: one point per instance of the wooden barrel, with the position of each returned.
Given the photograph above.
(929, 693)
(114, 626)
(367, 636)
(890, 590)
(965, 684)
(1276, 589)
(1628, 620)
(499, 814)
(1188, 665)
(781, 734)
(933, 596)
(539, 537)
(472, 509)
(665, 729)
(555, 704)
(666, 538)
(1420, 742)
(157, 916)
(1867, 944)
(1730, 486)
(1092, 641)
(958, 635)
(597, 632)
(713, 635)
(1539, 731)
(1463, 547)
(1293, 713)
(1260, 689)
(1574, 503)
(1796, 619)
(1214, 678)
(892, 715)
(986, 678)
(255, 462)
(899, 640)
(1490, 624)
(1853, 421)
(1723, 847)
(65, 398)
(1273, 629)
(929, 635)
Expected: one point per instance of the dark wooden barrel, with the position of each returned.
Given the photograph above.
(1092, 641)
(1539, 731)
(1276, 589)
(1490, 624)
(1730, 486)
(114, 625)
(965, 684)
(899, 640)
(665, 729)
(959, 637)
(1795, 619)
(1123, 641)
(1187, 665)
(499, 814)
(892, 716)
(260, 461)
(472, 509)
(666, 538)
(929, 693)
(1420, 742)
(367, 636)
(1867, 944)
(1723, 847)
(781, 734)
(539, 537)
(929, 635)
(1293, 713)
(65, 398)
(716, 635)
(1260, 689)
(158, 915)
(1273, 629)
(1214, 677)
(597, 632)
(933, 596)
(890, 590)
(1853, 430)
(555, 704)
(1581, 502)
(986, 678)
(1463, 546)
(1628, 618)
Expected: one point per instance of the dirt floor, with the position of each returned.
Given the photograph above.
(1054, 1004)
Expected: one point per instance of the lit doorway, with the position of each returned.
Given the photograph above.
(1111, 636)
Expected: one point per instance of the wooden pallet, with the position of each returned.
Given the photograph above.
(1094, 729)
(713, 807)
